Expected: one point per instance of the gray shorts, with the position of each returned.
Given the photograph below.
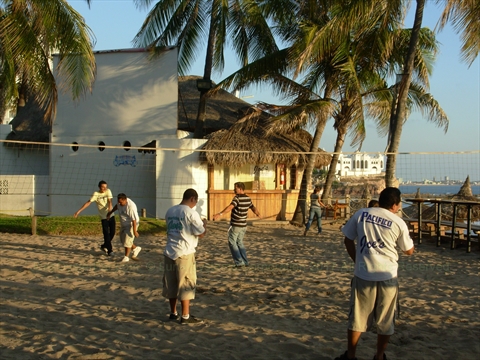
(373, 301)
(180, 277)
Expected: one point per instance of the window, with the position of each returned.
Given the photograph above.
(101, 146)
(74, 146)
(127, 145)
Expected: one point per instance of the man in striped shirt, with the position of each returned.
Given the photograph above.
(239, 206)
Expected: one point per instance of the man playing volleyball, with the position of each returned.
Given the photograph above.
(103, 198)
(378, 231)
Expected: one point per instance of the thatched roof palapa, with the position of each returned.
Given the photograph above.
(249, 142)
(29, 124)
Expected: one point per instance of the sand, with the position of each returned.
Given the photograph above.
(62, 298)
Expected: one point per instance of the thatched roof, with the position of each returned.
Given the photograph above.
(253, 144)
(222, 110)
(29, 125)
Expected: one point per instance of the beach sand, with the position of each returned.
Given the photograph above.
(62, 298)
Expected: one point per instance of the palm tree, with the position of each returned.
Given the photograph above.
(465, 16)
(371, 95)
(186, 23)
(29, 31)
(317, 33)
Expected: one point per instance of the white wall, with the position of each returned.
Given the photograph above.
(135, 100)
(179, 170)
(131, 95)
(19, 193)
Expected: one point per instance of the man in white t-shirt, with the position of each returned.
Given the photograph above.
(184, 227)
(378, 232)
(103, 199)
(129, 221)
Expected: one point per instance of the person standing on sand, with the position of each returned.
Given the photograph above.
(374, 292)
(129, 221)
(184, 228)
(239, 206)
(315, 209)
(103, 199)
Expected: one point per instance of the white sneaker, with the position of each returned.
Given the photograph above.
(125, 259)
(136, 251)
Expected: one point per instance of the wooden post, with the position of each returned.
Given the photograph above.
(34, 221)
(144, 212)
(347, 210)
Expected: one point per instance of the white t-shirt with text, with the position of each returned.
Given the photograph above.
(183, 227)
(378, 232)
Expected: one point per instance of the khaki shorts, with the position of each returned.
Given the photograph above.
(180, 278)
(127, 237)
(373, 301)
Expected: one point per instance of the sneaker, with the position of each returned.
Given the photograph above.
(191, 320)
(136, 251)
(111, 253)
(104, 249)
(125, 259)
(174, 317)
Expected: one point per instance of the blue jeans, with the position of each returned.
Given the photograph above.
(318, 212)
(108, 229)
(235, 243)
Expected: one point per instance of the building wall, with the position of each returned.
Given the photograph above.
(360, 164)
(133, 101)
(20, 193)
(177, 170)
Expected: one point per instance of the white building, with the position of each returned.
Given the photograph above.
(360, 164)
(134, 103)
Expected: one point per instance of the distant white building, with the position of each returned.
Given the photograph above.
(360, 164)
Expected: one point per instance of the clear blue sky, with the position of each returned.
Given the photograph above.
(455, 85)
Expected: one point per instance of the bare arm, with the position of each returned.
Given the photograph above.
(135, 232)
(87, 204)
(255, 211)
(409, 252)
(111, 211)
(217, 216)
(205, 226)
(109, 204)
(351, 249)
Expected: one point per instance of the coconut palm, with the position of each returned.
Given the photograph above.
(370, 94)
(321, 35)
(29, 31)
(188, 23)
(464, 15)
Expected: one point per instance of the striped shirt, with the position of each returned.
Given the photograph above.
(241, 203)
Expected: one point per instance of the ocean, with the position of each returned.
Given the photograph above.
(436, 189)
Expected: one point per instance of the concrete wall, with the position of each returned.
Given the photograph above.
(20, 193)
(178, 170)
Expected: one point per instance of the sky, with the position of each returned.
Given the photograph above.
(454, 84)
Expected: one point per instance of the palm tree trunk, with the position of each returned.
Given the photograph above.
(341, 132)
(398, 115)
(298, 218)
(207, 77)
